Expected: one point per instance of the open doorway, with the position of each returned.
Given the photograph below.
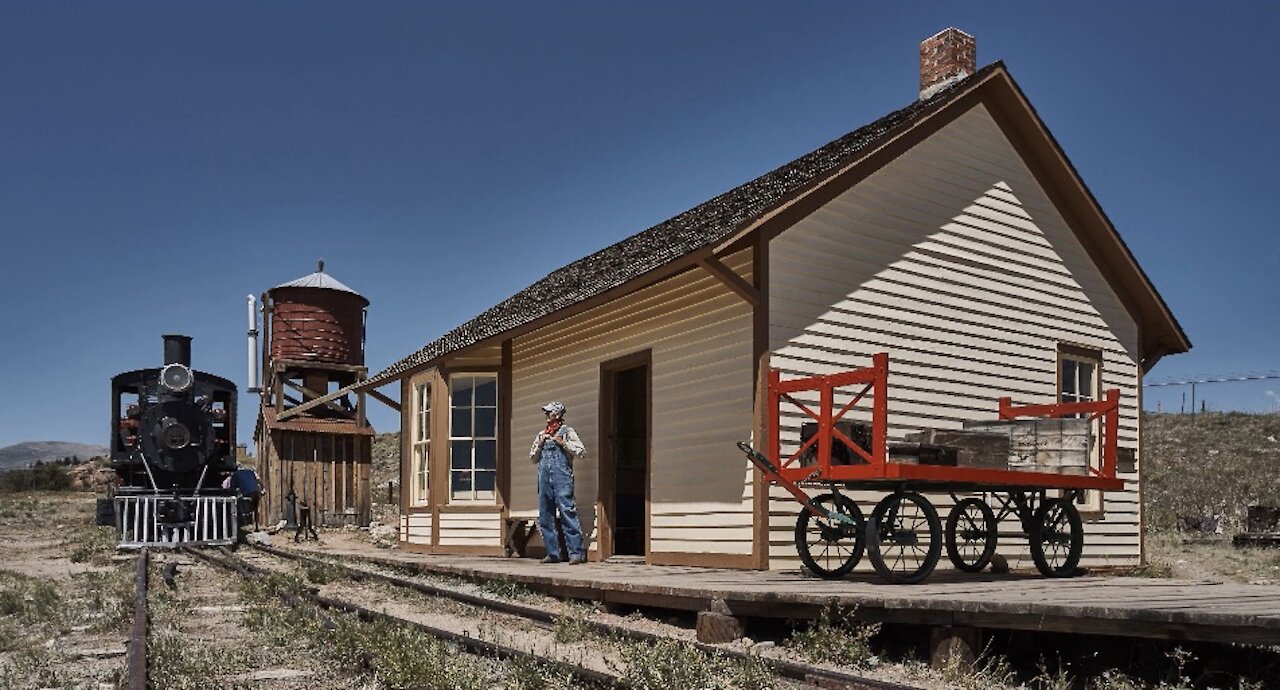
(624, 476)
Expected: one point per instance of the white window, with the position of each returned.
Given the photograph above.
(473, 436)
(421, 472)
(1080, 380)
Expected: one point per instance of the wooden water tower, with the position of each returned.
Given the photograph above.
(312, 444)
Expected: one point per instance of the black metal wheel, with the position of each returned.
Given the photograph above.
(829, 547)
(971, 535)
(1057, 538)
(904, 537)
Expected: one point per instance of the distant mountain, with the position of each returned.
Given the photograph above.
(23, 454)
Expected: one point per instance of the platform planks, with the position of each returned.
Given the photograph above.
(1124, 606)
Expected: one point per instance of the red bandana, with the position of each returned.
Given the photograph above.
(553, 426)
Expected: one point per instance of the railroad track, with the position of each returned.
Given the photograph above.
(136, 656)
(473, 645)
(799, 673)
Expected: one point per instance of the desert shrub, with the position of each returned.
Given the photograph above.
(836, 638)
(674, 665)
(573, 625)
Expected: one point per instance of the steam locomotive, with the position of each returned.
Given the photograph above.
(173, 440)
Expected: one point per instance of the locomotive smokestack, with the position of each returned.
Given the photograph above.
(177, 350)
(253, 347)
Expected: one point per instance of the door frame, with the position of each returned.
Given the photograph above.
(606, 494)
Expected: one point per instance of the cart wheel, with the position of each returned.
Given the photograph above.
(829, 548)
(904, 537)
(971, 535)
(1058, 538)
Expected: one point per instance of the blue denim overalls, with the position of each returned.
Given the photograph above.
(555, 491)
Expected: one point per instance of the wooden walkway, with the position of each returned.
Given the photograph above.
(1125, 606)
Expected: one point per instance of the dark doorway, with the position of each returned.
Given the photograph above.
(625, 466)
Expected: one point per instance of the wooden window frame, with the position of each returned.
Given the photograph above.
(474, 498)
(420, 467)
(1092, 504)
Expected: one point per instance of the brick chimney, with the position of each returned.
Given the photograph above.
(945, 58)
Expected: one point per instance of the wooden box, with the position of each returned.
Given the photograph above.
(922, 454)
(1044, 445)
(972, 448)
(841, 454)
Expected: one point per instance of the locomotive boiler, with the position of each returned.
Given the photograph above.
(173, 440)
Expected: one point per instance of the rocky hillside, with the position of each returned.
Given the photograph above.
(386, 458)
(1205, 471)
(29, 453)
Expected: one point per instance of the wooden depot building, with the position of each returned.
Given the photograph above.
(952, 233)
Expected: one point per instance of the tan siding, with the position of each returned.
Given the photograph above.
(700, 336)
(417, 528)
(471, 529)
(954, 261)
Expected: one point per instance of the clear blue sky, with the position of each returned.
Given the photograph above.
(159, 161)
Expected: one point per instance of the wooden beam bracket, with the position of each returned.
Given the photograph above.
(384, 399)
(731, 280)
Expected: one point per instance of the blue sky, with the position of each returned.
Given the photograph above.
(159, 161)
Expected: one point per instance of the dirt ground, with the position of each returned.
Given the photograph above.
(1174, 554)
(64, 594)
(65, 605)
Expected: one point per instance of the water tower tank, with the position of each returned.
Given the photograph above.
(317, 319)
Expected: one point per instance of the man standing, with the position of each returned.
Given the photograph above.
(554, 449)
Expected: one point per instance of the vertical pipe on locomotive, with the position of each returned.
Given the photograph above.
(253, 347)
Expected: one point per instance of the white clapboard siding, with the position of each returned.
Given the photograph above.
(471, 529)
(416, 528)
(954, 261)
(699, 333)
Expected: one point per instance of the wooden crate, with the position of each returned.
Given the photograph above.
(1044, 445)
(972, 448)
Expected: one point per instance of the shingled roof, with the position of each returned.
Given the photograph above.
(699, 227)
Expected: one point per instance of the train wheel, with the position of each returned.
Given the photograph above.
(904, 537)
(830, 548)
(971, 535)
(1057, 538)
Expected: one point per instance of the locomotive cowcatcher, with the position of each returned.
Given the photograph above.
(173, 440)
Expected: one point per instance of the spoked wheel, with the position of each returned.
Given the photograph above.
(904, 537)
(971, 535)
(830, 548)
(1057, 538)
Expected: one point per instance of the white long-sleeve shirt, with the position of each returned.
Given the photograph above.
(572, 443)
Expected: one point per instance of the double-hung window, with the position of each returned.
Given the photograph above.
(421, 471)
(473, 436)
(1080, 380)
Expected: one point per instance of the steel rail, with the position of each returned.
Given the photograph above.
(136, 655)
(791, 670)
(472, 645)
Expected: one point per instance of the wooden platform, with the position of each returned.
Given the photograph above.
(1124, 606)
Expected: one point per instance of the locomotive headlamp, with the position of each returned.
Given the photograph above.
(174, 434)
(176, 377)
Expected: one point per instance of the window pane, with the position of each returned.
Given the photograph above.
(1085, 388)
(486, 421)
(1068, 379)
(460, 388)
(486, 455)
(485, 481)
(462, 483)
(460, 458)
(461, 422)
(486, 391)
